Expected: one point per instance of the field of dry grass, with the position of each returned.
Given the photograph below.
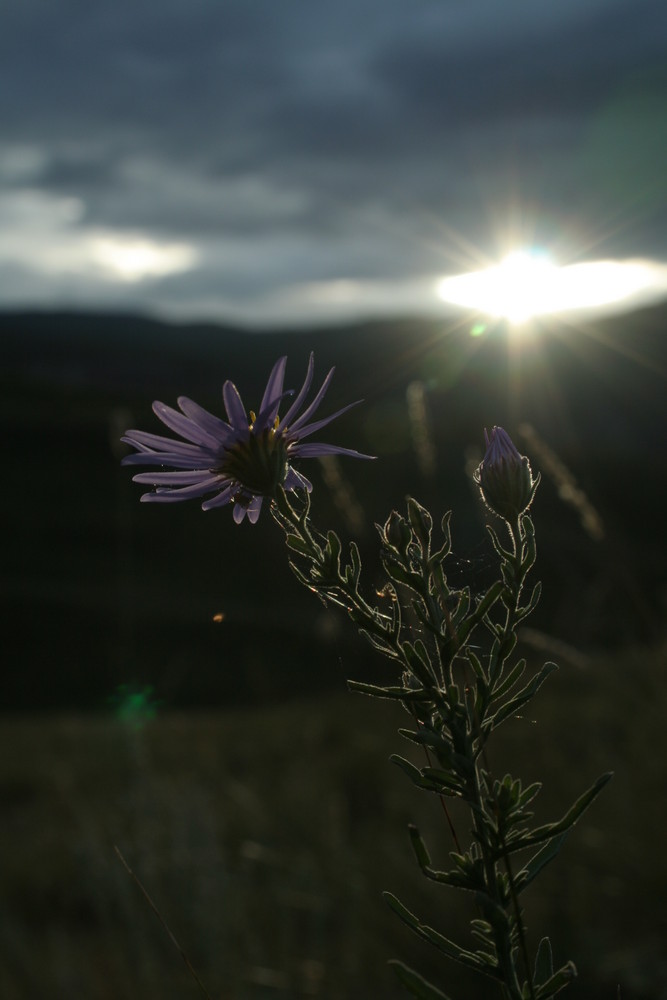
(265, 837)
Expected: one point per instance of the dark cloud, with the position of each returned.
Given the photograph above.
(566, 70)
(356, 125)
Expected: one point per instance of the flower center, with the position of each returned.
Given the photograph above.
(258, 463)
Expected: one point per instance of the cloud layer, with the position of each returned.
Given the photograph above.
(268, 157)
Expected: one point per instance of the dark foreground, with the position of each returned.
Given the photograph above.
(266, 835)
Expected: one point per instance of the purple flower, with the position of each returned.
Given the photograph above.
(504, 476)
(241, 460)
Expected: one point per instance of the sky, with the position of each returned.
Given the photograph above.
(279, 162)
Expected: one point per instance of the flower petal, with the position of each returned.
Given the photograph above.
(500, 447)
(183, 425)
(254, 509)
(266, 417)
(238, 417)
(222, 498)
(303, 392)
(273, 392)
(178, 461)
(168, 496)
(197, 489)
(296, 481)
(172, 478)
(299, 432)
(214, 425)
(308, 412)
(315, 449)
(156, 442)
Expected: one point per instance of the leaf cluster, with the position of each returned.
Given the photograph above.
(458, 682)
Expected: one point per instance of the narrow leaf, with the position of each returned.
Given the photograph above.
(419, 662)
(401, 575)
(480, 611)
(539, 861)
(397, 693)
(551, 830)
(356, 562)
(544, 962)
(415, 984)
(422, 615)
(476, 665)
(298, 544)
(532, 603)
(444, 525)
(528, 794)
(524, 695)
(462, 607)
(426, 737)
(380, 643)
(438, 779)
(509, 681)
(443, 944)
(333, 545)
(419, 847)
(430, 779)
(405, 765)
(558, 982)
(495, 541)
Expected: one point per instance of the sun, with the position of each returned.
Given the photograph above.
(528, 283)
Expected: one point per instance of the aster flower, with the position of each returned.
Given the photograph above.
(504, 476)
(241, 460)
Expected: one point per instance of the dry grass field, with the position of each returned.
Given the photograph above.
(265, 836)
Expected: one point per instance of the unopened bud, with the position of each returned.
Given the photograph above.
(397, 532)
(421, 522)
(504, 476)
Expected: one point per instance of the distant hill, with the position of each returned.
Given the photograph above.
(617, 362)
(102, 590)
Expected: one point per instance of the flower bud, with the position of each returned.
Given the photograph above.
(421, 522)
(504, 476)
(396, 532)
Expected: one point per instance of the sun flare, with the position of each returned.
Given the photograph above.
(529, 283)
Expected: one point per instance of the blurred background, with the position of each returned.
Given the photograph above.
(463, 209)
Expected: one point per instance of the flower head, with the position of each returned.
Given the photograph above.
(241, 460)
(504, 476)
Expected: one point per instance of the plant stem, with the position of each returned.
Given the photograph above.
(517, 535)
(502, 940)
(519, 919)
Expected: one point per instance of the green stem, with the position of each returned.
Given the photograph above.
(519, 919)
(516, 531)
(503, 943)
(503, 946)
